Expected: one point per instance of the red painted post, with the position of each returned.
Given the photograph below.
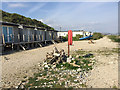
(69, 40)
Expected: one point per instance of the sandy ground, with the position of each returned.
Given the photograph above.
(104, 75)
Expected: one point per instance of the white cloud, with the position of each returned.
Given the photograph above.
(35, 8)
(13, 5)
(47, 22)
(41, 20)
(49, 25)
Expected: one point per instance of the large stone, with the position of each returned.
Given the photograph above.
(54, 66)
(77, 56)
(75, 64)
(52, 60)
(68, 60)
(70, 56)
(78, 70)
(46, 66)
(75, 80)
(55, 50)
(44, 63)
(73, 58)
(62, 52)
(88, 55)
(64, 58)
(89, 64)
(56, 54)
(49, 56)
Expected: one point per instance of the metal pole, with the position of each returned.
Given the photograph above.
(60, 29)
(60, 35)
(45, 36)
(12, 43)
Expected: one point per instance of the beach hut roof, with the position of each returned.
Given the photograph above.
(27, 26)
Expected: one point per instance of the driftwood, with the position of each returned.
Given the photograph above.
(75, 65)
(91, 42)
(49, 56)
(56, 57)
(55, 50)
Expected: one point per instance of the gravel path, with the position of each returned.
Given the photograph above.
(105, 72)
(16, 65)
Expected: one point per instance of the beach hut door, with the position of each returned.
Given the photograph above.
(5, 34)
(10, 34)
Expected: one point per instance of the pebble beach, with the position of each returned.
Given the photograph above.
(22, 64)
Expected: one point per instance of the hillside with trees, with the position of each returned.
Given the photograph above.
(20, 19)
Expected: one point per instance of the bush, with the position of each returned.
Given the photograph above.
(77, 37)
(97, 36)
(114, 38)
(74, 38)
(65, 38)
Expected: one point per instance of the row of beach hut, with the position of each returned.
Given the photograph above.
(16, 35)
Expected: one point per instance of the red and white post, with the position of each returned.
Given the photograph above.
(69, 41)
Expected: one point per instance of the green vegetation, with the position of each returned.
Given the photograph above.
(84, 62)
(77, 37)
(114, 38)
(74, 38)
(65, 38)
(57, 86)
(16, 18)
(33, 82)
(97, 36)
(25, 77)
(80, 52)
(115, 87)
(67, 66)
(108, 52)
(116, 50)
(64, 73)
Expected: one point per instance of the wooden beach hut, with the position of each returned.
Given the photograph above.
(18, 36)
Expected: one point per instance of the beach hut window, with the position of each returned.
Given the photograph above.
(23, 37)
(10, 33)
(7, 33)
(29, 35)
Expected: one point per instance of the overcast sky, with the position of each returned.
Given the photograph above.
(88, 16)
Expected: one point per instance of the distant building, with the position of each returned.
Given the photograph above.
(75, 32)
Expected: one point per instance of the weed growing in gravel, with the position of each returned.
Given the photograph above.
(63, 73)
(25, 77)
(108, 52)
(115, 87)
(80, 52)
(114, 38)
(67, 66)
